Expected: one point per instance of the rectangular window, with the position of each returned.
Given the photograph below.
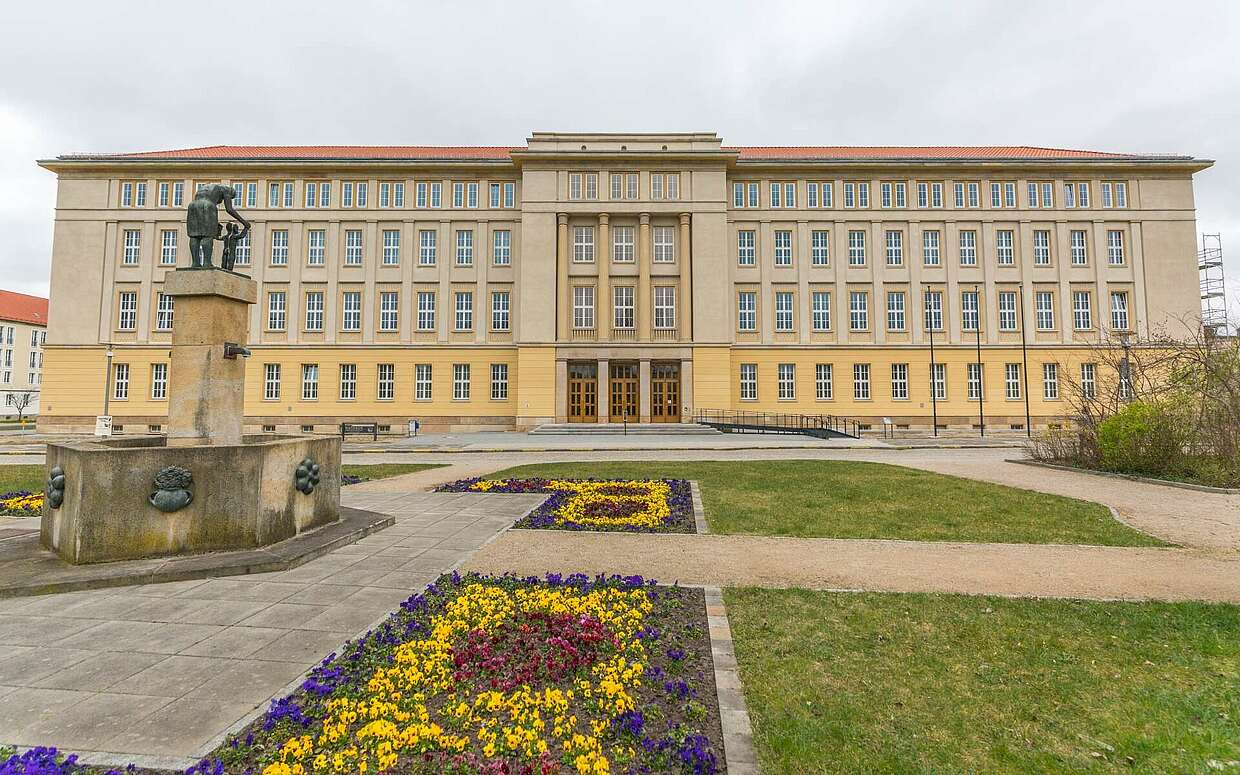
(856, 248)
(391, 247)
(1042, 247)
(790, 195)
(460, 381)
(436, 195)
(1007, 310)
(996, 195)
(1069, 195)
(501, 309)
(1011, 381)
(168, 247)
(583, 307)
(820, 247)
(276, 310)
(968, 247)
(471, 193)
(895, 310)
(968, 311)
(1082, 317)
(583, 244)
(494, 201)
(422, 382)
(464, 247)
(1115, 247)
(824, 390)
(140, 195)
(899, 381)
(959, 201)
(389, 311)
(126, 194)
(178, 194)
(749, 381)
(591, 185)
(361, 193)
(510, 195)
(279, 247)
(426, 247)
(861, 381)
(346, 194)
(895, 248)
(499, 381)
(1044, 306)
(1119, 310)
(309, 382)
(458, 192)
(312, 193)
(386, 382)
(746, 311)
(746, 252)
(133, 241)
(419, 195)
(314, 310)
(821, 308)
(938, 381)
(127, 319)
(787, 373)
(656, 185)
(316, 247)
(1050, 381)
(325, 194)
(783, 247)
(348, 381)
(1089, 380)
(630, 185)
(120, 381)
(1032, 190)
(858, 311)
(665, 307)
(974, 373)
(930, 248)
(1004, 245)
(163, 312)
(622, 244)
(353, 247)
(622, 306)
(664, 244)
(159, 381)
(776, 190)
(464, 320)
(1080, 252)
(1082, 195)
(271, 381)
(934, 310)
(783, 311)
(501, 248)
(426, 310)
(923, 195)
(351, 320)
(617, 186)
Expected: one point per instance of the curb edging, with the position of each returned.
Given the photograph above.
(1129, 477)
(738, 752)
(699, 512)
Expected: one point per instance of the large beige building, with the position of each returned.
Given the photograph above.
(590, 277)
(23, 331)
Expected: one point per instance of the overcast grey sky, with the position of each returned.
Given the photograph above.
(126, 75)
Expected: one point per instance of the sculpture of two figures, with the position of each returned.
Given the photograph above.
(202, 221)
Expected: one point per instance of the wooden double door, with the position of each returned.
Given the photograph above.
(625, 382)
(664, 392)
(624, 392)
(582, 391)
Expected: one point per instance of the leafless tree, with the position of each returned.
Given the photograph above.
(21, 402)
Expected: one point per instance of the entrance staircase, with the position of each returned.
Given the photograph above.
(619, 429)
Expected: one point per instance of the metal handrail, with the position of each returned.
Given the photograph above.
(778, 422)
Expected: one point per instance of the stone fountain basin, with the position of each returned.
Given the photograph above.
(243, 496)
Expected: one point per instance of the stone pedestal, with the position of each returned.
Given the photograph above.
(206, 391)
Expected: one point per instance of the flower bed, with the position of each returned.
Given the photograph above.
(21, 504)
(504, 675)
(646, 506)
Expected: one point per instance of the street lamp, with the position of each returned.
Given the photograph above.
(107, 379)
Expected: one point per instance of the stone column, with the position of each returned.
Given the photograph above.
(562, 305)
(561, 390)
(643, 300)
(643, 390)
(686, 389)
(602, 298)
(685, 313)
(206, 394)
(604, 390)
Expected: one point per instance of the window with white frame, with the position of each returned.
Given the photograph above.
(501, 248)
(996, 195)
(353, 247)
(386, 382)
(787, 381)
(934, 310)
(1119, 310)
(899, 381)
(664, 244)
(159, 381)
(973, 372)
(458, 192)
(968, 247)
(930, 247)
(422, 382)
(749, 382)
(276, 310)
(776, 195)
(132, 250)
(583, 307)
(820, 247)
(818, 195)
(464, 247)
(1115, 247)
(591, 180)
(1005, 251)
(938, 381)
(348, 381)
(163, 312)
(857, 195)
(1089, 380)
(464, 320)
(312, 193)
(1050, 381)
(494, 201)
(314, 310)
(168, 247)
(346, 194)
(499, 381)
(1042, 247)
(583, 244)
(1007, 310)
(784, 320)
(351, 317)
(1079, 247)
(280, 194)
(471, 193)
(309, 382)
(746, 251)
(391, 247)
(622, 244)
(427, 239)
(861, 381)
(968, 310)
(622, 306)
(617, 185)
(426, 310)
(1082, 194)
(127, 318)
(1082, 314)
(858, 311)
(316, 247)
(895, 310)
(279, 247)
(824, 389)
(460, 381)
(120, 381)
(1044, 309)
(783, 247)
(665, 307)
(1011, 381)
(1114, 194)
(391, 194)
(895, 248)
(746, 311)
(271, 381)
(501, 310)
(856, 247)
(389, 311)
(820, 308)
(419, 194)
(630, 185)
(243, 251)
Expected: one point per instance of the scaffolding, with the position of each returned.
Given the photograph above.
(1213, 284)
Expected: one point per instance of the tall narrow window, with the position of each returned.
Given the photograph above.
(426, 310)
(275, 311)
(858, 311)
(1115, 247)
(787, 380)
(499, 381)
(279, 247)
(316, 247)
(665, 307)
(1044, 308)
(309, 382)
(460, 381)
(120, 381)
(1082, 316)
(856, 248)
(1089, 379)
(746, 311)
(159, 381)
(664, 244)
(163, 312)
(895, 310)
(622, 244)
(583, 244)
(938, 381)
(749, 382)
(824, 390)
(820, 247)
(353, 247)
(930, 247)
(974, 373)
(746, 253)
(1007, 310)
(934, 311)
(1011, 381)
(426, 247)
(464, 320)
(899, 381)
(895, 248)
(271, 381)
(314, 310)
(821, 308)
(1119, 310)
(968, 310)
(784, 320)
(861, 381)
(386, 379)
(465, 247)
(1004, 247)
(389, 311)
(391, 247)
(501, 252)
(1050, 381)
(351, 319)
(133, 241)
(1042, 247)
(500, 310)
(1080, 252)
(422, 382)
(622, 306)
(583, 307)
(968, 247)
(783, 247)
(348, 381)
(168, 247)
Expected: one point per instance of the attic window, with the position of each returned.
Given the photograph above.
(583, 147)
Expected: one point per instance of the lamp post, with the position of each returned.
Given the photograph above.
(934, 385)
(107, 381)
(981, 385)
(1024, 369)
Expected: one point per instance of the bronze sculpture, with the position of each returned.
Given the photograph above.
(202, 222)
(232, 235)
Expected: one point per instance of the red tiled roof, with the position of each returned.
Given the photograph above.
(922, 152)
(20, 308)
(317, 152)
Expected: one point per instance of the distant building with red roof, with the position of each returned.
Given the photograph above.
(23, 332)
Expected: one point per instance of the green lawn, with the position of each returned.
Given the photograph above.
(13, 478)
(903, 683)
(384, 470)
(842, 499)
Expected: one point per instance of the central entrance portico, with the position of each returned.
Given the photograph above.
(619, 384)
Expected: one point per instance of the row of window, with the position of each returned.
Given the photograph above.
(931, 247)
(8, 335)
(35, 361)
(967, 195)
(859, 311)
(32, 378)
(624, 186)
(862, 387)
(318, 194)
(623, 244)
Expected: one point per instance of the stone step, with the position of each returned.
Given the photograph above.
(633, 429)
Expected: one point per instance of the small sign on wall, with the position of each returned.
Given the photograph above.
(103, 425)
